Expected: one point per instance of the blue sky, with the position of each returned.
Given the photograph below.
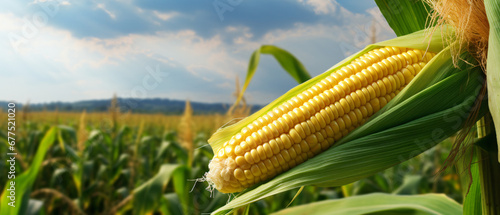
(58, 50)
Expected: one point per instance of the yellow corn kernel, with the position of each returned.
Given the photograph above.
(314, 119)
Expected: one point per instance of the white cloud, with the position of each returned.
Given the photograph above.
(379, 19)
(165, 16)
(240, 34)
(103, 7)
(356, 33)
(61, 2)
(322, 6)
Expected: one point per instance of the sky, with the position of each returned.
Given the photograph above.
(61, 50)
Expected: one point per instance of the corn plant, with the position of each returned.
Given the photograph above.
(356, 119)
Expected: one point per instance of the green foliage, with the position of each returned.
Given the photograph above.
(472, 201)
(287, 61)
(405, 17)
(493, 64)
(380, 203)
(146, 195)
(24, 182)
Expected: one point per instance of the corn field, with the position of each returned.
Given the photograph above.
(142, 166)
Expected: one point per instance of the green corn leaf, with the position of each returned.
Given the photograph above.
(24, 181)
(404, 17)
(180, 179)
(287, 61)
(164, 206)
(410, 185)
(472, 201)
(493, 64)
(380, 203)
(146, 195)
(170, 204)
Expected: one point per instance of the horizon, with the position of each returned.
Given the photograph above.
(123, 98)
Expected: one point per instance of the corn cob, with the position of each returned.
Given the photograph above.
(314, 119)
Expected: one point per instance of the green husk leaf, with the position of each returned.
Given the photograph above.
(493, 64)
(404, 17)
(24, 181)
(380, 203)
(472, 201)
(417, 40)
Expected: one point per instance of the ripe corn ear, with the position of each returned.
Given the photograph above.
(313, 120)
